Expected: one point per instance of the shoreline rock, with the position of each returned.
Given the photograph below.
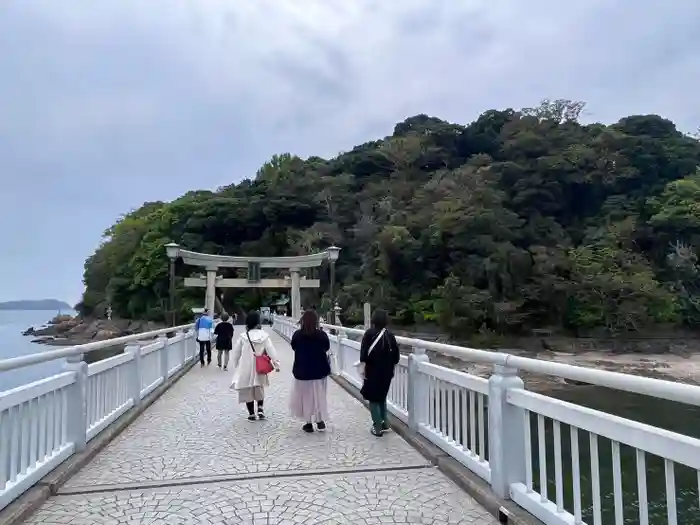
(65, 330)
(683, 368)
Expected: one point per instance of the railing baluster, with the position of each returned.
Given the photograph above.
(669, 471)
(5, 448)
(42, 414)
(443, 408)
(542, 456)
(102, 390)
(642, 488)
(24, 443)
(15, 450)
(433, 403)
(617, 483)
(450, 412)
(35, 413)
(61, 424)
(482, 428)
(576, 475)
(528, 449)
(50, 425)
(463, 417)
(558, 478)
(472, 423)
(595, 479)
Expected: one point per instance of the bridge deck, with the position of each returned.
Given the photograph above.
(193, 457)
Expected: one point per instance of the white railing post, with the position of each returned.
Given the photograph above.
(183, 348)
(191, 345)
(506, 432)
(339, 350)
(76, 424)
(164, 356)
(417, 394)
(135, 379)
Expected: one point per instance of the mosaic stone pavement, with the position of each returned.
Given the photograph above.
(193, 457)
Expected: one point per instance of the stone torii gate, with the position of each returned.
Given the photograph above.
(212, 263)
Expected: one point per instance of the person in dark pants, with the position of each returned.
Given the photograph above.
(379, 355)
(203, 328)
(224, 340)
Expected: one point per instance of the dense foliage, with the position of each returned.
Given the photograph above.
(520, 220)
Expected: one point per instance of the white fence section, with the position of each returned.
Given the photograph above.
(515, 439)
(45, 422)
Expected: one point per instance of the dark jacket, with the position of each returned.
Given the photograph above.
(224, 335)
(379, 364)
(310, 355)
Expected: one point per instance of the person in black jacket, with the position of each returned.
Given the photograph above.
(379, 355)
(224, 340)
(310, 370)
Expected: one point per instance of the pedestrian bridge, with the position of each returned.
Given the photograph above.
(143, 437)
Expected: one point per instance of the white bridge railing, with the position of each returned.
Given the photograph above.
(544, 454)
(45, 422)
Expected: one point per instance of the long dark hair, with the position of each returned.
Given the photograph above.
(308, 324)
(252, 320)
(380, 319)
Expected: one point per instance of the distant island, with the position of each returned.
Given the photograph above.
(36, 304)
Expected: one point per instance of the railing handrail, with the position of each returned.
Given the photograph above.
(50, 355)
(661, 388)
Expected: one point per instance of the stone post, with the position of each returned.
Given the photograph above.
(296, 293)
(183, 347)
(506, 432)
(192, 348)
(76, 424)
(210, 301)
(417, 394)
(135, 374)
(164, 357)
(367, 309)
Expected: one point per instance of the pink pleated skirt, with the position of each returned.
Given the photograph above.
(308, 400)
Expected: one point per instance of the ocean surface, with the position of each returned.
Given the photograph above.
(13, 344)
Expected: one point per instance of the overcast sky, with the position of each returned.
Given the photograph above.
(106, 104)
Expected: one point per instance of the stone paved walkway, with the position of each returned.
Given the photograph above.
(194, 458)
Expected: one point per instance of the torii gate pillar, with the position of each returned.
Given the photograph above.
(210, 298)
(296, 293)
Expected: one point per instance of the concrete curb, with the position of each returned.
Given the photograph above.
(506, 512)
(20, 509)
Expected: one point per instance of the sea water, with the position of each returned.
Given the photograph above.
(14, 344)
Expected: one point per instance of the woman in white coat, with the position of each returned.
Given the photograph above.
(246, 380)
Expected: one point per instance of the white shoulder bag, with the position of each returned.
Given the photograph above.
(359, 364)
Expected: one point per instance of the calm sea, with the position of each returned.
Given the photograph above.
(13, 344)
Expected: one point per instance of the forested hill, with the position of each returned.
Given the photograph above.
(36, 304)
(520, 220)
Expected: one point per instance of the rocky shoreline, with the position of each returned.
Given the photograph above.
(671, 367)
(65, 330)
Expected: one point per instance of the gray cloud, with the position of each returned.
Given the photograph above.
(104, 105)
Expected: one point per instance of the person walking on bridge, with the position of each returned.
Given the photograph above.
(253, 357)
(203, 327)
(379, 355)
(224, 340)
(311, 370)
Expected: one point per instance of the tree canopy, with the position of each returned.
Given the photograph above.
(522, 219)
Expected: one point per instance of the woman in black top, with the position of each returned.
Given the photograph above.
(311, 370)
(379, 355)
(224, 340)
